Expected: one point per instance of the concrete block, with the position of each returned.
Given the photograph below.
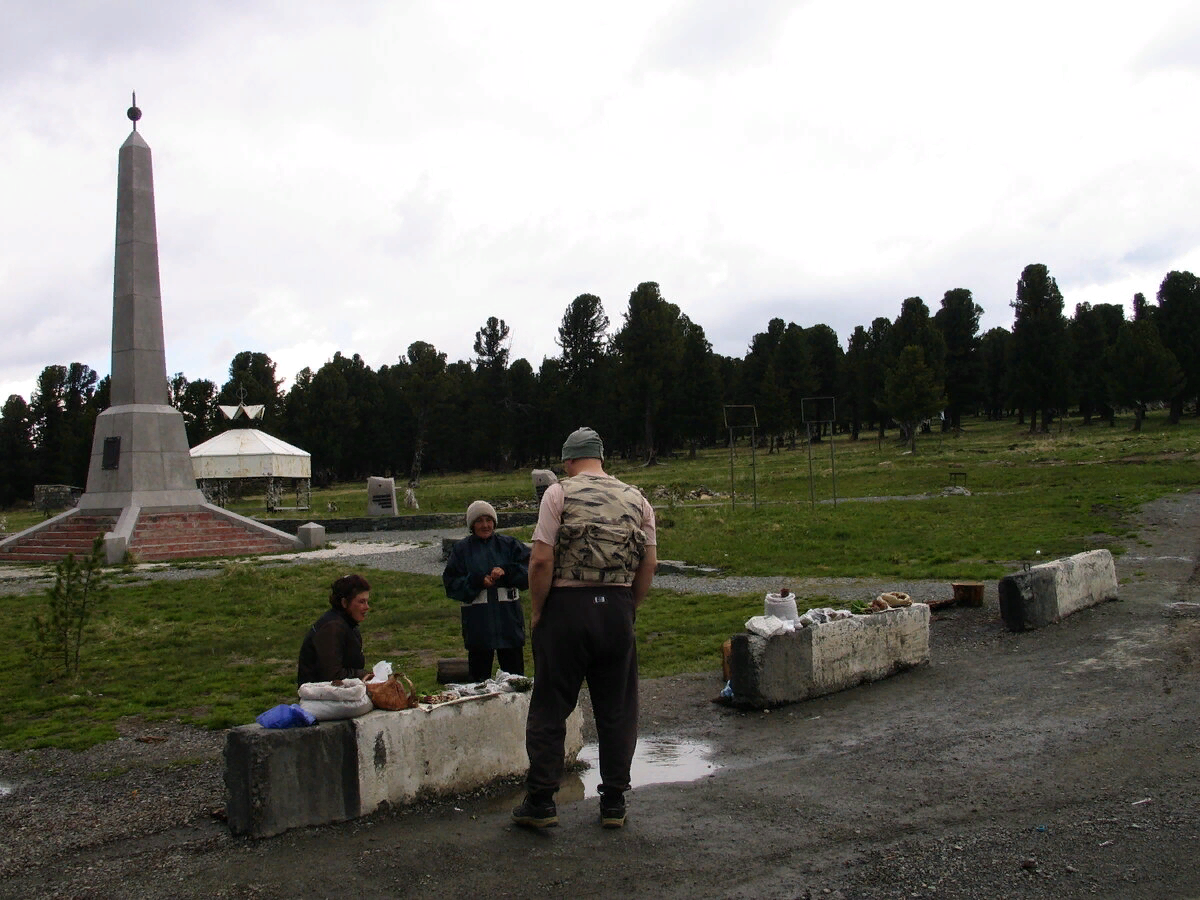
(446, 749)
(278, 779)
(114, 549)
(1051, 591)
(824, 659)
(281, 778)
(312, 536)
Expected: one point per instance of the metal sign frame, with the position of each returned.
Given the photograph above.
(748, 417)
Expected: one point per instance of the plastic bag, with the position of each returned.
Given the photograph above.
(769, 626)
(285, 715)
(382, 670)
(781, 605)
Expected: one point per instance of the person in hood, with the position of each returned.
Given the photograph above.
(486, 573)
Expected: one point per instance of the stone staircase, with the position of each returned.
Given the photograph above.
(74, 534)
(197, 533)
(157, 536)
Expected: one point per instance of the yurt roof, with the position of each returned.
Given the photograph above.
(249, 453)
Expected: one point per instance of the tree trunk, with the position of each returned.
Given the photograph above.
(1177, 409)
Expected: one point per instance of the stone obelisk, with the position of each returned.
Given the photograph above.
(140, 455)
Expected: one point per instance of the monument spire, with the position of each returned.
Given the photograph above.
(139, 451)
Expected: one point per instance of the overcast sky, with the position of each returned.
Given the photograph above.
(357, 176)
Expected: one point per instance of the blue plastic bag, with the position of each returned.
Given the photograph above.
(285, 715)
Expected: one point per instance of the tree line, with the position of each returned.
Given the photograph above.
(654, 386)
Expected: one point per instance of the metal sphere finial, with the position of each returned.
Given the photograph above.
(133, 112)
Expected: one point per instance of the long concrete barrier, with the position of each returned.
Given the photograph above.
(277, 779)
(827, 658)
(1051, 591)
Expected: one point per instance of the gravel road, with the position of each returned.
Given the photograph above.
(1058, 763)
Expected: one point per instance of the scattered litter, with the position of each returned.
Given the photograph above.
(503, 683)
(1105, 843)
(1140, 802)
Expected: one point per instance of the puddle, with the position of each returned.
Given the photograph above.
(656, 761)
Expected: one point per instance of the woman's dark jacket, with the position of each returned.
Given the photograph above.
(332, 649)
(491, 618)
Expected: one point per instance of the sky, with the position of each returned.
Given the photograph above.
(358, 176)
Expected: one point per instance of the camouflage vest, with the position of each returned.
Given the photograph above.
(600, 537)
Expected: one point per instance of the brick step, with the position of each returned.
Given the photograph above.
(55, 548)
(242, 538)
(34, 556)
(250, 544)
(207, 534)
(191, 552)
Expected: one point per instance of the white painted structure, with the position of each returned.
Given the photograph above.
(249, 453)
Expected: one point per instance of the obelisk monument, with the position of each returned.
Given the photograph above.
(141, 497)
(140, 452)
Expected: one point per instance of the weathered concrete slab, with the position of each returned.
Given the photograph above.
(278, 779)
(1051, 591)
(827, 658)
(281, 778)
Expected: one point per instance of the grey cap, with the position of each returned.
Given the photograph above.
(583, 443)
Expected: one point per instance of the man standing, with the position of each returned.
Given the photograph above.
(592, 563)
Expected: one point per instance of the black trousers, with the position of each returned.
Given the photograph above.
(511, 660)
(584, 634)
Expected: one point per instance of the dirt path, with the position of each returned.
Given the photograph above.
(1058, 763)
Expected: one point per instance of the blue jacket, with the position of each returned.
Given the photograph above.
(491, 618)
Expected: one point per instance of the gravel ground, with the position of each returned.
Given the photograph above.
(1058, 763)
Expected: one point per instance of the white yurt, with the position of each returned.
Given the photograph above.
(247, 453)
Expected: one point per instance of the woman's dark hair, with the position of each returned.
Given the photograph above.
(346, 589)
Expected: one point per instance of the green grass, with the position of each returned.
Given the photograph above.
(216, 651)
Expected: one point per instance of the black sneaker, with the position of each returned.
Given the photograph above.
(612, 810)
(535, 813)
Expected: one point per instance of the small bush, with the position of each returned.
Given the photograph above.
(79, 589)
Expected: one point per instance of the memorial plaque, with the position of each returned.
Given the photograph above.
(381, 496)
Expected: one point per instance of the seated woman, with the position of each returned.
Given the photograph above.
(332, 649)
(486, 572)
